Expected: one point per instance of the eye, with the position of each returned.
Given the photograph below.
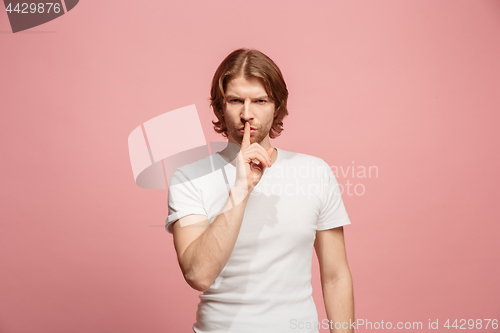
(261, 101)
(234, 100)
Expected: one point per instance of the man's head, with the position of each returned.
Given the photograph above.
(248, 74)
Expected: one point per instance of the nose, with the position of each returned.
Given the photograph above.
(246, 111)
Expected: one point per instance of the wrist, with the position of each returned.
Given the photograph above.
(239, 194)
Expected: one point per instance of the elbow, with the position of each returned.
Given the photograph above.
(198, 283)
(196, 276)
(343, 277)
(201, 287)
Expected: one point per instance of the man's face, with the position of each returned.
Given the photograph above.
(247, 101)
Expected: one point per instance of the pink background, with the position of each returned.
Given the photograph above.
(410, 87)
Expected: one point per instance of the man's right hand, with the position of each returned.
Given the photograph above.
(251, 162)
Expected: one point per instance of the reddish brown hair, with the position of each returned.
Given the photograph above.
(249, 63)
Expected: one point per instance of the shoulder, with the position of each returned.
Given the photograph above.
(294, 158)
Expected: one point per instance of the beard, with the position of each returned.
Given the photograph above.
(258, 136)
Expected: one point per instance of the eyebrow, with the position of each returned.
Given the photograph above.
(235, 96)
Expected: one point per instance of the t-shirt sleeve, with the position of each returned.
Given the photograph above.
(332, 213)
(183, 199)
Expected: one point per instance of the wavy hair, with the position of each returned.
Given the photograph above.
(249, 63)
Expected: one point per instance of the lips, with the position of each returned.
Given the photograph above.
(242, 128)
(252, 131)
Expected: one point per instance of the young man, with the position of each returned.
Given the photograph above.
(245, 220)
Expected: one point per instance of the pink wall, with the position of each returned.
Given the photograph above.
(410, 87)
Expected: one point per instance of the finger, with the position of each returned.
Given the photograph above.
(264, 152)
(246, 137)
(259, 155)
(259, 164)
(257, 167)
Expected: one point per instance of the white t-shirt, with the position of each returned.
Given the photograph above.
(266, 284)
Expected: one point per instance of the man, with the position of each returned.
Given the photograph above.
(245, 220)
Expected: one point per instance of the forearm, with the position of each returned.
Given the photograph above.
(206, 256)
(339, 303)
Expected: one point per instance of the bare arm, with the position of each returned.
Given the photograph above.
(336, 279)
(203, 249)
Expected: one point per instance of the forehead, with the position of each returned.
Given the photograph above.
(245, 86)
